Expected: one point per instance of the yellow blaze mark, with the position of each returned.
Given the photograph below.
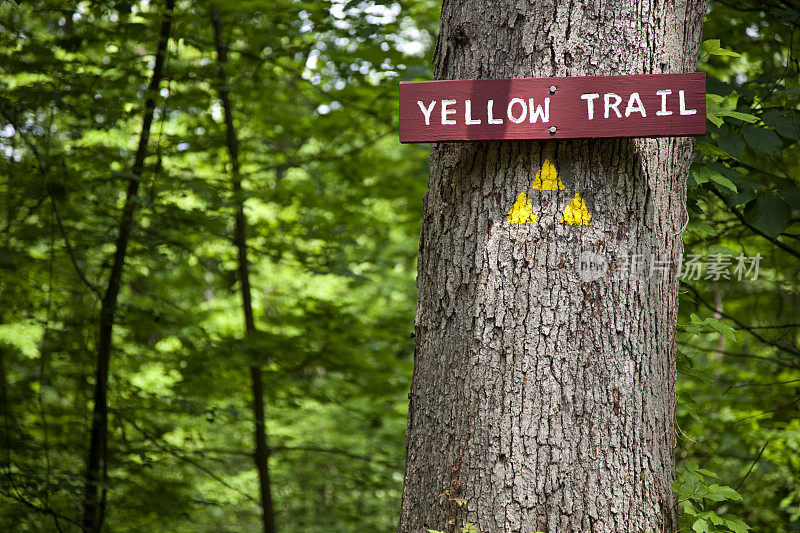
(547, 178)
(522, 211)
(576, 213)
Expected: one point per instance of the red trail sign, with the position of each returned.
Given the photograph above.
(647, 105)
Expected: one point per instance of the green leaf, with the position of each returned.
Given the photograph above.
(702, 229)
(700, 375)
(719, 179)
(735, 524)
(700, 525)
(712, 47)
(715, 497)
(703, 173)
(687, 507)
(726, 492)
(699, 175)
(711, 150)
(732, 143)
(707, 473)
(712, 116)
(791, 196)
(716, 325)
(747, 117)
(761, 139)
(689, 406)
(719, 249)
(769, 214)
(726, 330)
(786, 126)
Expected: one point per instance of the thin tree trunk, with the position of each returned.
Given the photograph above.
(718, 310)
(261, 455)
(9, 196)
(94, 501)
(543, 399)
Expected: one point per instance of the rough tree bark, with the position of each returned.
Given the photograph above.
(261, 455)
(542, 399)
(94, 499)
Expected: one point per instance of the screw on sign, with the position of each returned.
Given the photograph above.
(648, 105)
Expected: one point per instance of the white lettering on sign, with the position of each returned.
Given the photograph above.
(538, 113)
(519, 109)
(468, 120)
(426, 111)
(635, 105)
(554, 108)
(682, 104)
(491, 119)
(447, 111)
(510, 110)
(590, 97)
(663, 111)
(638, 108)
(615, 106)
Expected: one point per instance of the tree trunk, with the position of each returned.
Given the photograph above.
(261, 455)
(543, 396)
(94, 500)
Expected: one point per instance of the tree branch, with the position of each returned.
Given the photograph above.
(791, 349)
(71, 251)
(775, 241)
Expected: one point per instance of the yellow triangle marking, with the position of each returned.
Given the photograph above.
(522, 211)
(576, 213)
(547, 178)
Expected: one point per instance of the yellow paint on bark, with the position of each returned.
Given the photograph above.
(522, 211)
(576, 213)
(547, 178)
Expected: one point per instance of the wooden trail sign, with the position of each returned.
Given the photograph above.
(647, 105)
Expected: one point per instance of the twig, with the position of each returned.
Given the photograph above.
(71, 251)
(752, 465)
(783, 246)
(790, 349)
(762, 413)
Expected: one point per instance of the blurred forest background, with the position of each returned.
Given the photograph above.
(176, 138)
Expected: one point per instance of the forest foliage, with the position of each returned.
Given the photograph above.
(332, 205)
